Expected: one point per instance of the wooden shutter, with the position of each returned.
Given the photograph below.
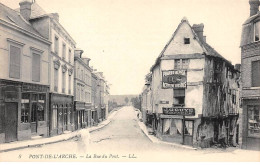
(15, 58)
(36, 69)
(256, 73)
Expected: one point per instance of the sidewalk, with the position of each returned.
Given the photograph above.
(158, 141)
(49, 140)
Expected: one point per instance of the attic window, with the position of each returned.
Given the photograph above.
(186, 40)
(257, 31)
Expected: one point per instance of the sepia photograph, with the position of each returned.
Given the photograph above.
(129, 81)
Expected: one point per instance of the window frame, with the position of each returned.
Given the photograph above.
(252, 80)
(20, 45)
(56, 45)
(186, 41)
(255, 24)
(39, 53)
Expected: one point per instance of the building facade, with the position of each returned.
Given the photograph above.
(82, 90)
(61, 60)
(24, 82)
(194, 91)
(250, 61)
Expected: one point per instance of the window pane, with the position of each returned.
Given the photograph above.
(177, 64)
(256, 73)
(257, 31)
(41, 107)
(36, 63)
(253, 121)
(25, 108)
(15, 57)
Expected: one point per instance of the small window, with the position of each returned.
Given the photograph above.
(253, 121)
(36, 67)
(56, 45)
(15, 59)
(256, 73)
(179, 97)
(64, 51)
(257, 31)
(186, 40)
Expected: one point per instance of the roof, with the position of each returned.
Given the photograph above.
(13, 17)
(210, 51)
(247, 36)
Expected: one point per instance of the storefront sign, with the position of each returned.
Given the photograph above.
(34, 87)
(174, 79)
(179, 111)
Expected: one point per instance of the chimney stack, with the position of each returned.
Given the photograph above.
(198, 28)
(78, 53)
(26, 9)
(56, 16)
(254, 7)
(86, 60)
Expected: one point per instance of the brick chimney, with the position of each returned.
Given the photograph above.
(78, 53)
(198, 28)
(86, 60)
(56, 16)
(254, 7)
(25, 9)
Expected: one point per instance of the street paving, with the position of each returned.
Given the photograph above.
(123, 140)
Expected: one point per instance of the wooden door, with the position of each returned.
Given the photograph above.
(34, 113)
(11, 118)
(60, 119)
(188, 132)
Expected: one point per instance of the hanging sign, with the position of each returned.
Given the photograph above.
(179, 111)
(174, 79)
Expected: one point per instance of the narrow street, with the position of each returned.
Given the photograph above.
(123, 140)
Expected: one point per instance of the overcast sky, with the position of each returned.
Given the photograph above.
(124, 37)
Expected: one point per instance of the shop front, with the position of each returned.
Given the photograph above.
(176, 125)
(94, 116)
(80, 115)
(251, 126)
(61, 114)
(23, 110)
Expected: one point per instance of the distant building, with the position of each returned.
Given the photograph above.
(194, 91)
(82, 90)
(250, 59)
(94, 96)
(24, 77)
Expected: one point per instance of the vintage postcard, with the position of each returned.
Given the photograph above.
(129, 81)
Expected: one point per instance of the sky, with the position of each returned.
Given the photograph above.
(124, 37)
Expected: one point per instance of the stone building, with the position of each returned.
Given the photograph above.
(250, 62)
(61, 58)
(82, 90)
(194, 91)
(94, 99)
(24, 82)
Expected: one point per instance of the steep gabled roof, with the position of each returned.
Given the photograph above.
(11, 16)
(208, 50)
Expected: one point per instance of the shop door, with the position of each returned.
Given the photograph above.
(65, 119)
(34, 114)
(60, 121)
(11, 112)
(188, 132)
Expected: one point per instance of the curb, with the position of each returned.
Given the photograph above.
(56, 139)
(154, 139)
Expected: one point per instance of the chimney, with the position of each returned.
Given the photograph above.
(198, 28)
(78, 53)
(25, 9)
(254, 7)
(56, 16)
(86, 60)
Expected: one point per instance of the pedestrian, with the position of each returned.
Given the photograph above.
(85, 139)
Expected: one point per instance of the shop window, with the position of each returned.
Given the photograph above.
(15, 60)
(257, 31)
(172, 127)
(41, 107)
(25, 108)
(256, 73)
(178, 97)
(188, 127)
(253, 121)
(36, 67)
(54, 116)
(34, 108)
(186, 40)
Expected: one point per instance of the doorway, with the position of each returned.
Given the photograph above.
(188, 132)
(11, 118)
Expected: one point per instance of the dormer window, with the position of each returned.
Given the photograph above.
(257, 31)
(186, 40)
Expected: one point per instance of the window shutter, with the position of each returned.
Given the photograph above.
(15, 58)
(256, 73)
(36, 69)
